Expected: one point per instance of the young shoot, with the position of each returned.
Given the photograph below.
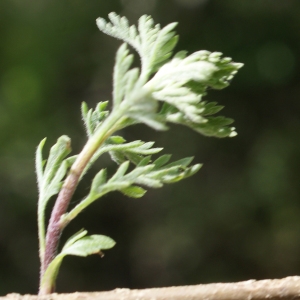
(167, 88)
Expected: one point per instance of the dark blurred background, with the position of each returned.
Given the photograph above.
(237, 219)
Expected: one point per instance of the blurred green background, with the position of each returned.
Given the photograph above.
(237, 219)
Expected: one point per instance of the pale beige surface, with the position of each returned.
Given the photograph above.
(286, 288)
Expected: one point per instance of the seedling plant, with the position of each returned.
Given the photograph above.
(167, 88)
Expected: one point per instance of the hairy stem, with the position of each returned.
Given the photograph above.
(55, 228)
(41, 230)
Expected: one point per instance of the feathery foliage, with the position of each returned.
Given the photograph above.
(166, 89)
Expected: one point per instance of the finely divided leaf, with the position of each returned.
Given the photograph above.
(145, 110)
(213, 126)
(153, 44)
(145, 173)
(121, 151)
(181, 82)
(164, 90)
(122, 65)
(57, 153)
(119, 28)
(94, 118)
(50, 178)
(156, 43)
(134, 154)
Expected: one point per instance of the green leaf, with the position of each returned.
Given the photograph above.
(145, 110)
(131, 82)
(133, 157)
(50, 275)
(93, 118)
(57, 153)
(39, 163)
(181, 54)
(211, 108)
(117, 156)
(79, 245)
(181, 84)
(55, 185)
(120, 151)
(88, 245)
(50, 178)
(170, 173)
(162, 90)
(84, 110)
(211, 126)
(145, 173)
(119, 28)
(145, 161)
(184, 162)
(111, 146)
(138, 171)
(145, 149)
(99, 180)
(122, 65)
(149, 182)
(132, 151)
(116, 139)
(121, 171)
(215, 126)
(162, 160)
(158, 42)
(134, 191)
(153, 44)
(78, 235)
(150, 119)
(192, 170)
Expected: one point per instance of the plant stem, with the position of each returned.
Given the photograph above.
(41, 229)
(54, 230)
